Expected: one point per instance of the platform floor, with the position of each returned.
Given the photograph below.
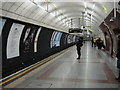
(94, 70)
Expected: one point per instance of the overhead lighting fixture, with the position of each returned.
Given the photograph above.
(86, 18)
(86, 12)
(93, 6)
(93, 9)
(92, 13)
(85, 3)
(40, 7)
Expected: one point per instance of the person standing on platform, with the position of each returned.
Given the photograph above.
(118, 58)
(100, 44)
(83, 40)
(92, 41)
(79, 44)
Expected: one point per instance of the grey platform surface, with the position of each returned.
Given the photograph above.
(94, 70)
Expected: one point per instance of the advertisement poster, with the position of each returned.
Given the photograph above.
(72, 38)
(75, 39)
(13, 41)
(69, 39)
(2, 22)
(36, 39)
(28, 40)
(55, 41)
(65, 41)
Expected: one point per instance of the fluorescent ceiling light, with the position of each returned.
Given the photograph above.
(41, 7)
(52, 14)
(85, 12)
(92, 13)
(93, 6)
(85, 4)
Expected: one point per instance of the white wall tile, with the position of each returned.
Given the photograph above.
(12, 15)
(13, 8)
(4, 13)
(7, 5)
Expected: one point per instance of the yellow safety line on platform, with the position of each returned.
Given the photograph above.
(23, 72)
(49, 58)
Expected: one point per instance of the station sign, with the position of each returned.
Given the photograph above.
(88, 27)
(75, 30)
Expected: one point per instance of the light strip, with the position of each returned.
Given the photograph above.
(92, 11)
(85, 3)
(40, 7)
(86, 12)
(93, 6)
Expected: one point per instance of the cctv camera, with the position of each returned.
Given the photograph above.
(112, 19)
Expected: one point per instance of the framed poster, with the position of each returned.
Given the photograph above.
(28, 40)
(75, 39)
(36, 39)
(72, 38)
(13, 40)
(2, 22)
(55, 40)
(69, 39)
(65, 41)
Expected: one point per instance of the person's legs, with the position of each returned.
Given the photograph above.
(92, 44)
(79, 53)
(99, 47)
(118, 76)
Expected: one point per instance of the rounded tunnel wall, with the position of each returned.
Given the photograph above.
(111, 30)
(24, 44)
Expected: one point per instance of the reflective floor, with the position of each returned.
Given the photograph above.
(95, 69)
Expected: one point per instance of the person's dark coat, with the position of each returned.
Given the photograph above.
(100, 44)
(118, 52)
(79, 44)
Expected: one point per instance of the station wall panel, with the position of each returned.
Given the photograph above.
(108, 38)
(114, 29)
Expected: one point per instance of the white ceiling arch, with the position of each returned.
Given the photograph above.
(57, 14)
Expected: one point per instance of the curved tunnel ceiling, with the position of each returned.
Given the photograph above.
(58, 15)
